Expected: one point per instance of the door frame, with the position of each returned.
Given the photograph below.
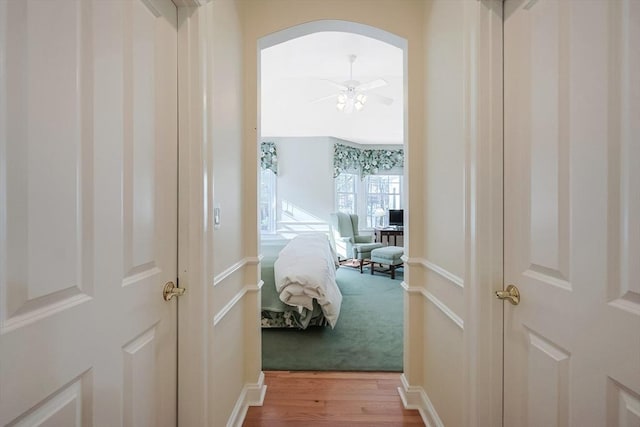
(351, 27)
(484, 162)
(194, 237)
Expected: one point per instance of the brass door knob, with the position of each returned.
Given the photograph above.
(511, 294)
(170, 290)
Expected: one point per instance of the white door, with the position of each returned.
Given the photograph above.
(88, 212)
(572, 212)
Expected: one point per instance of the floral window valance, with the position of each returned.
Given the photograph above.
(345, 159)
(269, 157)
(365, 161)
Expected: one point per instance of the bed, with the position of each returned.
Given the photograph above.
(302, 291)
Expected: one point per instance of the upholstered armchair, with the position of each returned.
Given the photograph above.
(348, 243)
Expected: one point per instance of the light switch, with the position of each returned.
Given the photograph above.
(216, 217)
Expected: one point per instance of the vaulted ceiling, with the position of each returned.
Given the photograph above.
(296, 72)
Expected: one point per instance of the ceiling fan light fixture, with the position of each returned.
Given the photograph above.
(351, 95)
(343, 100)
(359, 101)
(349, 101)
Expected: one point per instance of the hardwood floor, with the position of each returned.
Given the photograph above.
(331, 399)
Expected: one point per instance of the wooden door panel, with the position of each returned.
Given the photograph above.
(540, 147)
(46, 269)
(537, 216)
(547, 382)
(623, 409)
(548, 143)
(67, 407)
(140, 153)
(46, 259)
(572, 353)
(623, 273)
(88, 215)
(138, 397)
(624, 290)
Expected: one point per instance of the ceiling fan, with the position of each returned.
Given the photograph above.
(351, 95)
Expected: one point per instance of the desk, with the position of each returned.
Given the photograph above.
(380, 233)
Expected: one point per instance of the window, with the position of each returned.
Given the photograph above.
(376, 192)
(346, 192)
(384, 192)
(267, 201)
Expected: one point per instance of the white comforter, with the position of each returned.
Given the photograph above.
(306, 269)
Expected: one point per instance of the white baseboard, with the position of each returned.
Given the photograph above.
(414, 397)
(251, 395)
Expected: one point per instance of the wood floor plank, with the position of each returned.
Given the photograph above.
(311, 395)
(333, 374)
(322, 384)
(332, 399)
(272, 423)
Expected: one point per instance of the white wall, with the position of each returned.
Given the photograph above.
(462, 262)
(219, 334)
(227, 377)
(305, 178)
(444, 201)
(226, 133)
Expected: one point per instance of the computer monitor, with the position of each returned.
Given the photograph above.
(396, 217)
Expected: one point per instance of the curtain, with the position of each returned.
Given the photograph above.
(345, 159)
(365, 161)
(269, 157)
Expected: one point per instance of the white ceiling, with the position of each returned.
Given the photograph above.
(293, 74)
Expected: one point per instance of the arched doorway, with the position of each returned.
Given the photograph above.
(324, 27)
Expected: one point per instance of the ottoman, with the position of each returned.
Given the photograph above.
(387, 255)
(363, 251)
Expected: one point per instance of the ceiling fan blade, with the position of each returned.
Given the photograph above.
(380, 98)
(373, 84)
(324, 98)
(336, 84)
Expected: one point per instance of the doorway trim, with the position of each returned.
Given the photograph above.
(194, 62)
(483, 212)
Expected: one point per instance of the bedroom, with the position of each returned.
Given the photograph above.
(319, 157)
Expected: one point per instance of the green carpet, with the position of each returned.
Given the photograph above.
(367, 337)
